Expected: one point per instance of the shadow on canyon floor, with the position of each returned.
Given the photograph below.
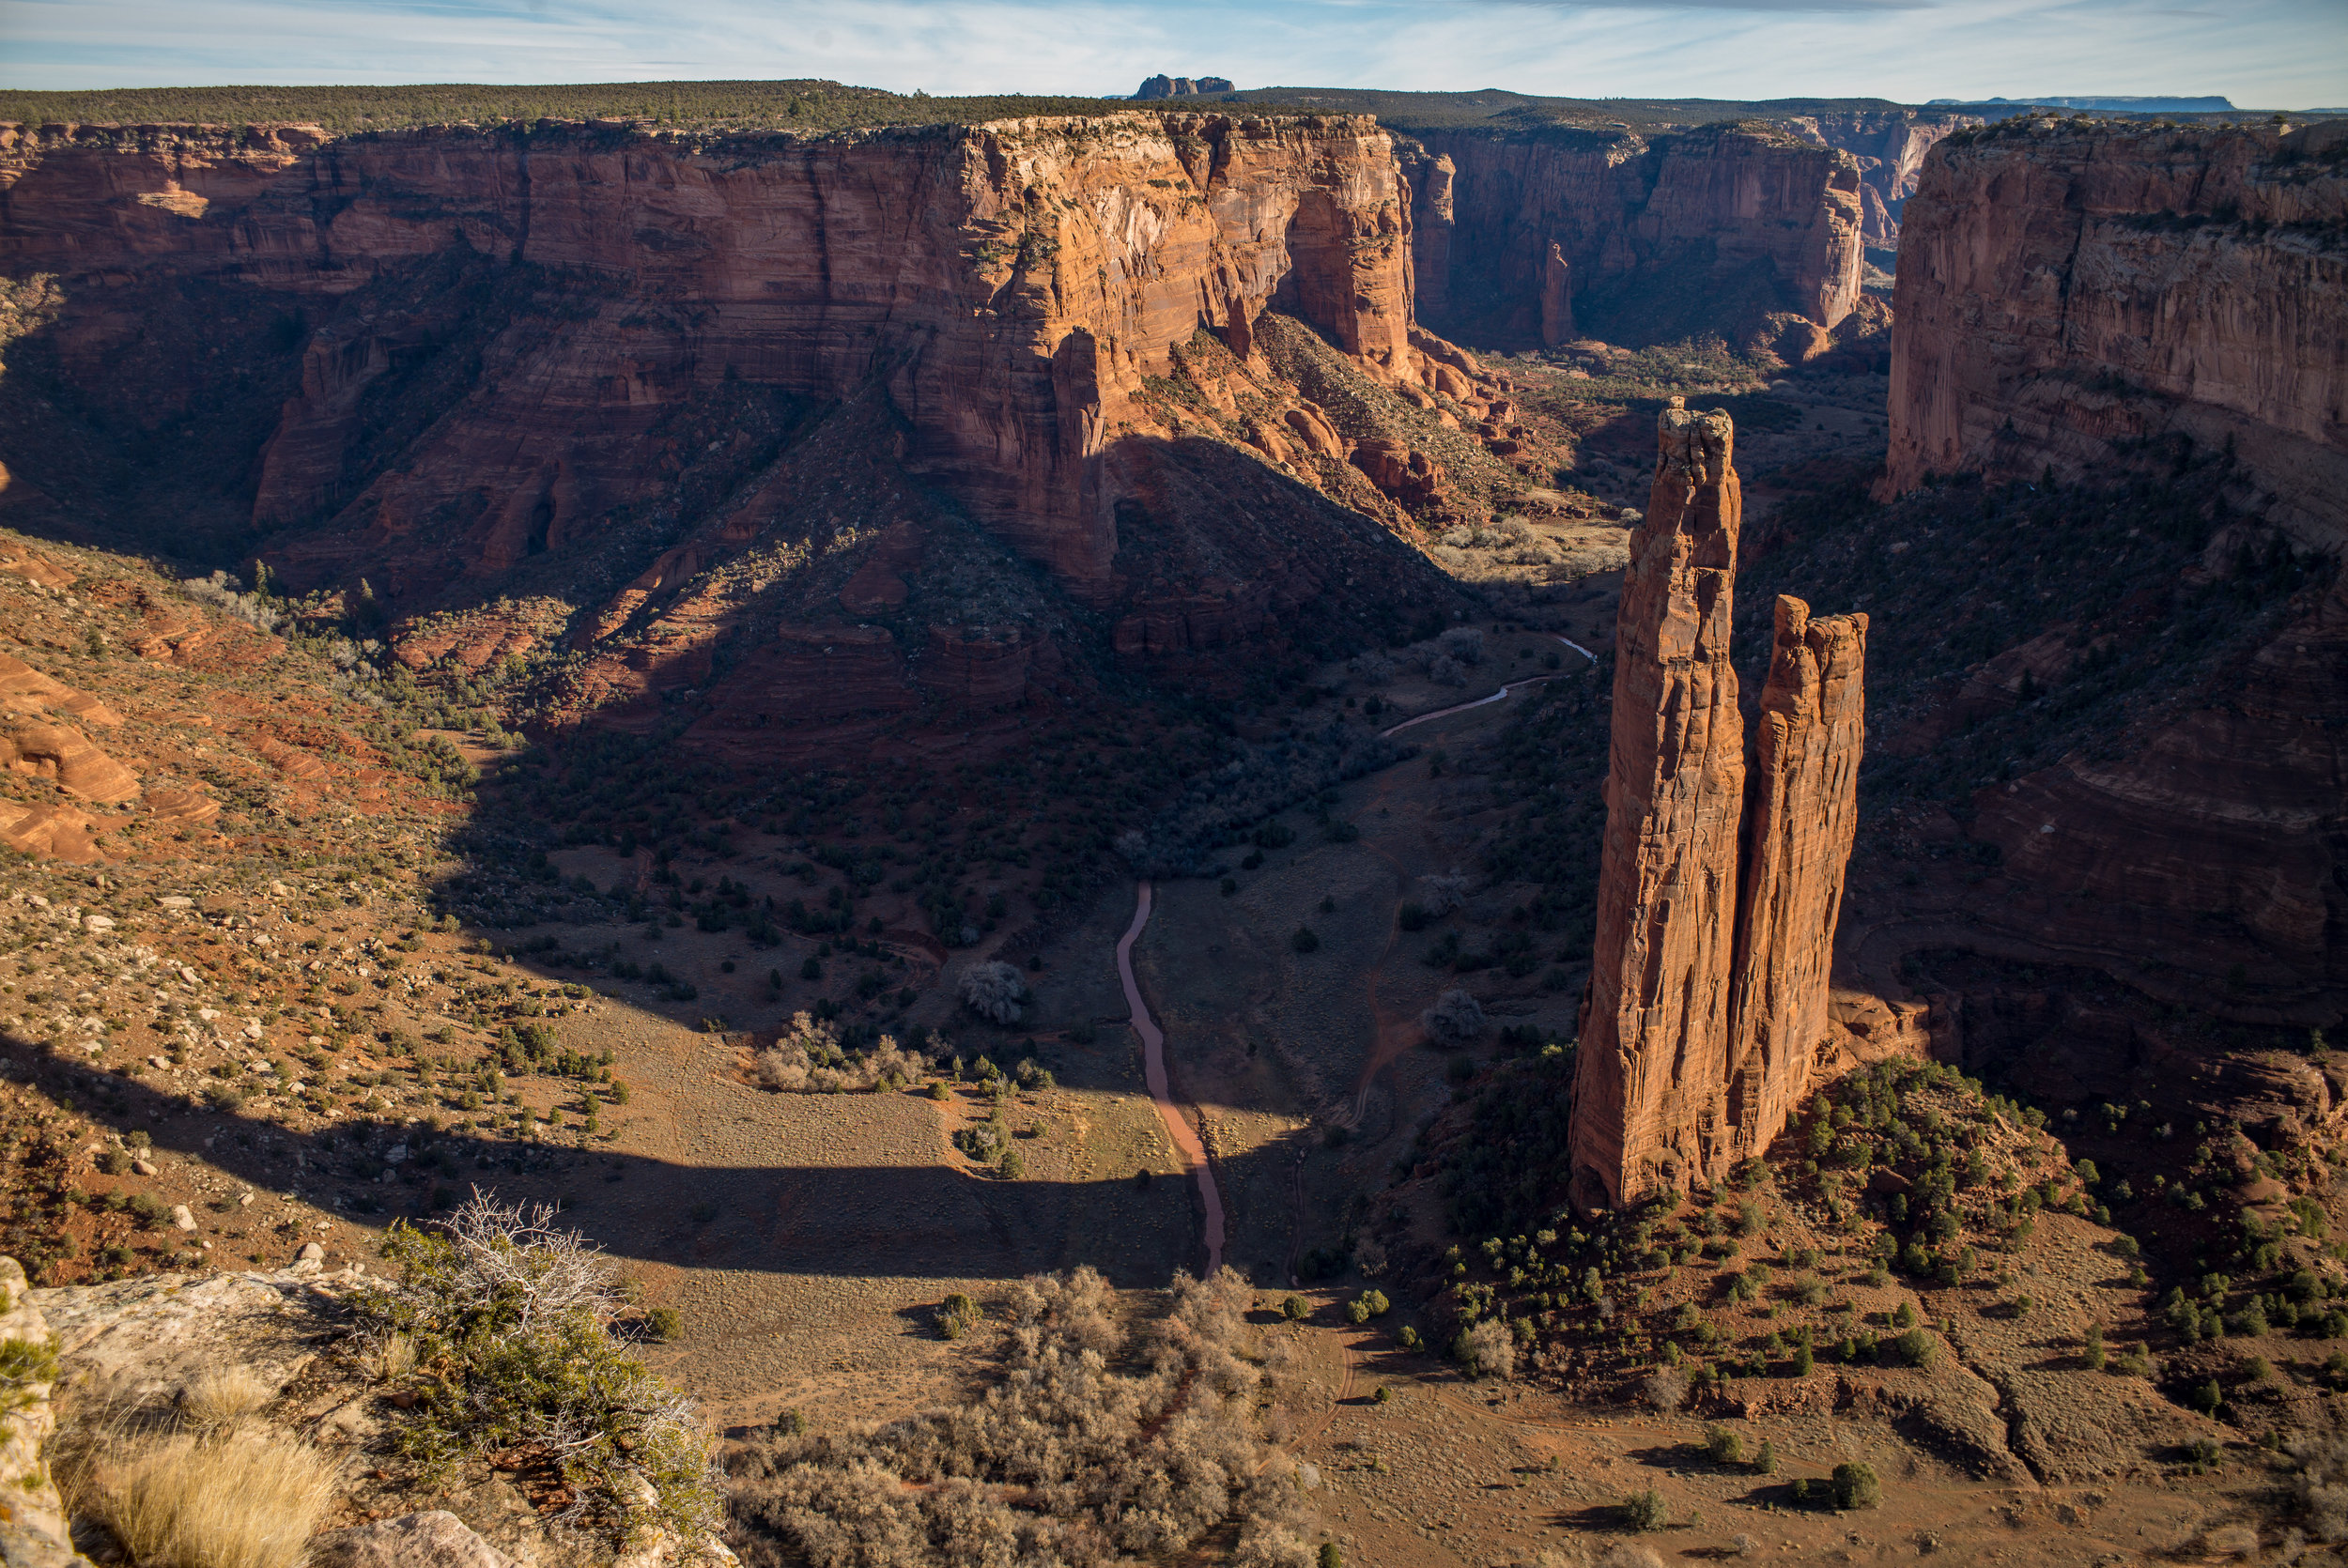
(847, 1221)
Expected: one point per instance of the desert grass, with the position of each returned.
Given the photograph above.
(221, 1396)
(239, 1500)
(391, 1357)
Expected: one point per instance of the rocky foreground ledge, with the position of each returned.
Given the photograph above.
(135, 1351)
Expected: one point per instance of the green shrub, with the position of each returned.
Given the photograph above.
(24, 1365)
(1329, 1556)
(1645, 1511)
(1916, 1347)
(1764, 1459)
(957, 1315)
(1304, 940)
(1724, 1446)
(1855, 1486)
(664, 1325)
(1296, 1308)
(512, 1319)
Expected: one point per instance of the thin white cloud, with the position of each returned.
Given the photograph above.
(2265, 53)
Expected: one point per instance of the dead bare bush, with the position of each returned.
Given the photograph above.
(1102, 1444)
(1456, 1018)
(992, 990)
(809, 1059)
(2322, 1485)
(1490, 1349)
(1667, 1390)
(1446, 892)
(1465, 644)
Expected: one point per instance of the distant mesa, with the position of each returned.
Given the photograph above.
(2128, 105)
(1183, 86)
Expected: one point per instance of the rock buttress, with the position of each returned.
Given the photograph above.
(1802, 817)
(1650, 1087)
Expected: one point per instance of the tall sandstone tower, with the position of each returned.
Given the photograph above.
(1721, 879)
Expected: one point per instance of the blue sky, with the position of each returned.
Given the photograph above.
(2288, 53)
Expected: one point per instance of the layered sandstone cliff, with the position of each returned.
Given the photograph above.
(1693, 231)
(2073, 295)
(1888, 147)
(725, 413)
(1721, 876)
(1013, 286)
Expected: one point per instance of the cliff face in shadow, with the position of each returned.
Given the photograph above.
(682, 402)
(2072, 294)
(1659, 238)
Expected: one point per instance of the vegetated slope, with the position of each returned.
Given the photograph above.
(793, 104)
(2109, 741)
(1417, 112)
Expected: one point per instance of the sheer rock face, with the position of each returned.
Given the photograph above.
(2069, 294)
(1688, 212)
(1888, 147)
(1802, 817)
(1430, 175)
(1649, 1093)
(1012, 284)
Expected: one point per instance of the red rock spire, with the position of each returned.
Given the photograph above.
(1709, 988)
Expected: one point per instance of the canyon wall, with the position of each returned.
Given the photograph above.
(1888, 147)
(1702, 230)
(1721, 876)
(2077, 295)
(1012, 285)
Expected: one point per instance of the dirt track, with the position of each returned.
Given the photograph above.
(1186, 1137)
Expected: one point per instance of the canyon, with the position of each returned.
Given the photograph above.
(651, 396)
(2091, 304)
(1531, 230)
(1652, 232)
(1716, 902)
(721, 592)
(2073, 291)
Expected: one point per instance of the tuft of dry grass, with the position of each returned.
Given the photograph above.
(391, 1357)
(244, 1501)
(221, 1396)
